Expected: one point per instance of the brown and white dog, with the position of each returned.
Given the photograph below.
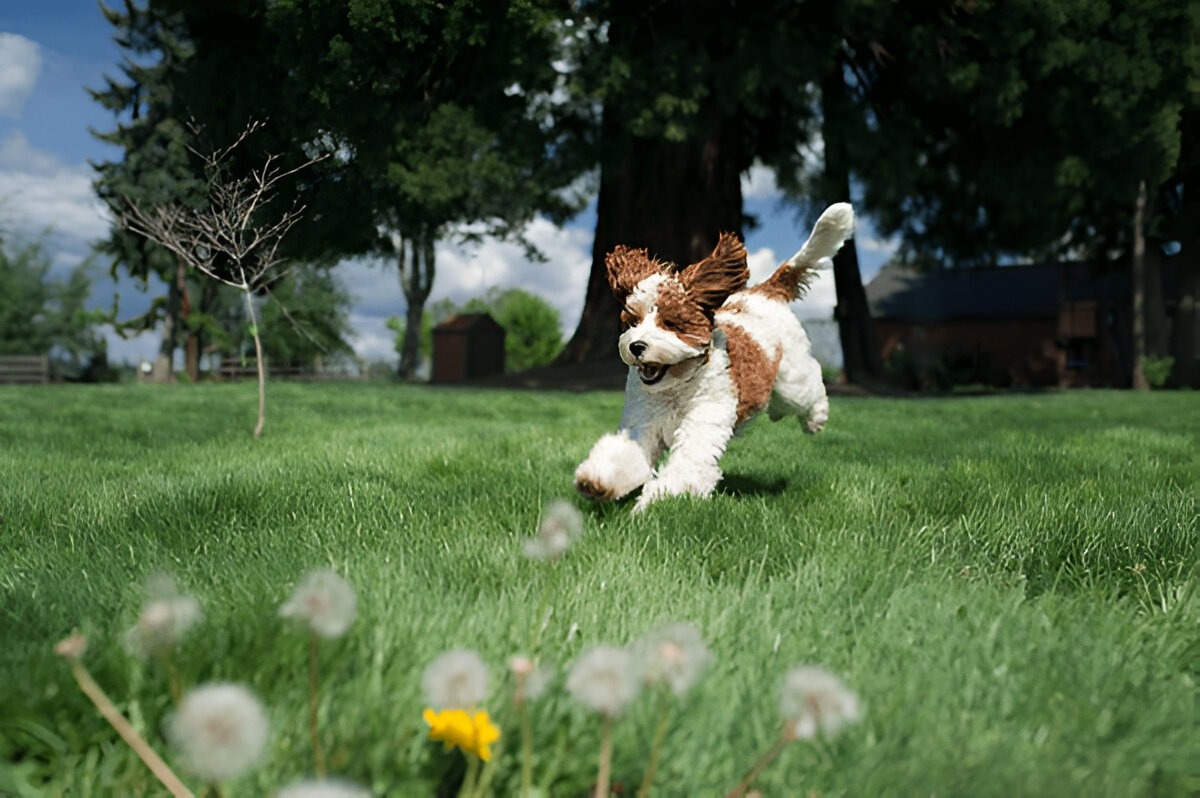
(705, 355)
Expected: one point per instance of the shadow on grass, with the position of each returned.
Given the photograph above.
(749, 485)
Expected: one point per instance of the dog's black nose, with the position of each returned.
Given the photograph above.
(637, 348)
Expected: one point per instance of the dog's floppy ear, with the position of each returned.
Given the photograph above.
(628, 267)
(710, 282)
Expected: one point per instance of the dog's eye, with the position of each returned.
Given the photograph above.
(628, 319)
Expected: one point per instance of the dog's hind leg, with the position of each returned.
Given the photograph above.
(800, 391)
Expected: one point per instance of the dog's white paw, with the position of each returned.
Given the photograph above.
(615, 466)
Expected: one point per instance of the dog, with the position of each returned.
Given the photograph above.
(706, 354)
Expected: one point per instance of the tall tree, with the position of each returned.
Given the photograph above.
(692, 95)
(157, 164)
(987, 129)
(440, 110)
(44, 315)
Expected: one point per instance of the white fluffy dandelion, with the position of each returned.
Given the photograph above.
(325, 602)
(559, 528)
(813, 701)
(604, 679)
(221, 731)
(164, 619)
(324, 788)
(457, 679)
(674, 655)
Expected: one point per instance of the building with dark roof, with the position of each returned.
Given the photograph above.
(1031, 325)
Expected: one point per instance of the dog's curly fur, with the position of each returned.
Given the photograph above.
(705, 355)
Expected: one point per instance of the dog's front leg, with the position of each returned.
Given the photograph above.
(616, 465)
(691, 467)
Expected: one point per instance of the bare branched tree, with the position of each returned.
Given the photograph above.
(234, 237)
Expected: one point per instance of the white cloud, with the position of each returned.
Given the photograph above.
(20, 64)
(817, 303)
(471, 270)
(39, 192)
(466, 271)
(759, 183)
(888, 246)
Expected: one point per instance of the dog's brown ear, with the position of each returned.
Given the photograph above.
(628, 267)
(710, 282)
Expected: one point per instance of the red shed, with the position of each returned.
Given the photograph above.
(466, 346)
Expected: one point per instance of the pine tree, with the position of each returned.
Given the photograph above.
(155, 167)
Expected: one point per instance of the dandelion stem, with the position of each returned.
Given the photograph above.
(485, 776)
(471, 780)
(604, 774)
(318, 755)
(740, 790)
(174, 683)
(157, 766)
(660, 734)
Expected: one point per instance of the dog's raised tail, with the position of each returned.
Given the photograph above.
(829, 233)
(794, 275)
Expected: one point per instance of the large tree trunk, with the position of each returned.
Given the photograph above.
(860, 348)
(1140, 383)
(416, 278)
(673, 198)
(1186, 334)
(164, 365)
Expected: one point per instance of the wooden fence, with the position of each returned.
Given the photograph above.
(24, 369)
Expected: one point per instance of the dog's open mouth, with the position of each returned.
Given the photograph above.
(651, 373)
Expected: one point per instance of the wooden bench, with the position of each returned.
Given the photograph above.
(24, 369)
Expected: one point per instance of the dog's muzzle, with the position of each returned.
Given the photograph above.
(651, 373)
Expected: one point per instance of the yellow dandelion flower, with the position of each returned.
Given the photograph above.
(473, 733)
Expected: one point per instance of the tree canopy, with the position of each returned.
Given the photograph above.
(971, 131)
(44, 315)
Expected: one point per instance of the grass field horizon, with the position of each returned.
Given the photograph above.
(1009, 583)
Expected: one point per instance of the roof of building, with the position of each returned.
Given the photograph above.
(1034, 291)
(467, 321)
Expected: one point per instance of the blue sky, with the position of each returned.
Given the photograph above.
(52, 51)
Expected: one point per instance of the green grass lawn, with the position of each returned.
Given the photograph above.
(1009, 583)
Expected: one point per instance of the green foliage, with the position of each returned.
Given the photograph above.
(42, 315)
(156, 165)
(533, 331)
(1034, 557)
(1157, 370)
(428, 321)
(996, 128)
(307, 317)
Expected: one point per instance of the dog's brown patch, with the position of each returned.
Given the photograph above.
(593, 490)
(786, 284)
(679, 313)
(712, 280)
(628, 267)
(752, 370)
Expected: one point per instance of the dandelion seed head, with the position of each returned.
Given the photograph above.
(604, 679)
(165, 617)
(325, 602)
(561, 524)
(455, 679)
(323, 788)
(220, 729)
(812, 700)
(674, 655)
